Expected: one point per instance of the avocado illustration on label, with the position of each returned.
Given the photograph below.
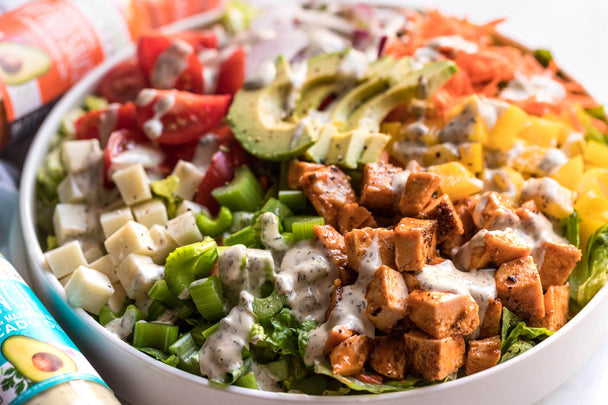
(21, 63)
(36, 360)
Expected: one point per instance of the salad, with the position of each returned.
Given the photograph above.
(330, 199)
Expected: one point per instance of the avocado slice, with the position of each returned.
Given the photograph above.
(21, 63)
(318, 152)
(345, 149)
(258, 117)
(36, 360)
(371, 113)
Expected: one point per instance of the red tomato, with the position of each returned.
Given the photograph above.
(232, 73)
(100, 124)
(198, 39)
(229, 156)
(189, 116)
(170, 63)
(121, 141)
(123, 82)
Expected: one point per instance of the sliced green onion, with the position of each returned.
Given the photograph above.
(155, 310)
(240, 220)
(208, 299)
(294, 199)
(244, 193)
(171, 360)
(210, 330)
(277, 208)
(197, 332)
(160, 292)
(155, 335)
(302, 229)
(106, 315)
(288, 222)
(245, 236)
(279, 369)
(283, 178)
(188, 263)
(288, 237)
(186, 349)
(185, 311)
(217, 226)
(265, 308)
(247, 381)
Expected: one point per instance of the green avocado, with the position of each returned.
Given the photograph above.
(263, 120)
(36, 360)
(21, 63)
(345, 149)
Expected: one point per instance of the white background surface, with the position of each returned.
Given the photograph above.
(576, 32)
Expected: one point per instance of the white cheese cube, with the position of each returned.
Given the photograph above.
(117, 301)
(133, 184)
(163, 244)
(151, 213)
(80, 155)
(92, 252)
(189, 179)
(113, 220)
(137, 274)
(130, 238)
(69, 192)
(65, 259)
(88, 289)
(183, 229)
(195, 208)
(105, 265)
(71, 221)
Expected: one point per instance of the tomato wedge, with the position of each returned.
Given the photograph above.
(231, 74)
(141, 150)
(123, 82)
(179, 117)
(100, 124)
(198, 39)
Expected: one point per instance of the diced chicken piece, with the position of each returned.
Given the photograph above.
(442, 314)
(491, 322)
(297, 169)
(527, 208)
(336, 247)
(348, 358)
(491, 212)
(448, 222)
(353, 216)
(557, 299)
(359, 240)
(482, 354)
(336, 295)
(377, 189)
(415, 243)
(496, 247)
(386, 296)
(388, 357)
(555, 261)
(337, 335)
(419, 189)
(519, 288)
(464, 208)
(411, 282)
(328, 189)
(433, 359)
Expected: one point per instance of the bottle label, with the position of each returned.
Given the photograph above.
(35, 353)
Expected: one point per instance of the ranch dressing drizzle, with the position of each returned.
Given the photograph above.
(222, 351)
(306, 277)
(170, 64)
(107, 123)
(154, 127)
(398, 181)
(349, 312)
(270, 235)
(122, 326)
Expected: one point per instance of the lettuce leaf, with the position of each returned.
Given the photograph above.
(594, 266)
(571, 227)
(516, 337)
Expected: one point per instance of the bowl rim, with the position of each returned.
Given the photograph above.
(37, 265)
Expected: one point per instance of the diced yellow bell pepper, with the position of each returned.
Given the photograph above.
(588, 226)
(571, 173)
(596, 154)
(480, 131)
(471, 156)
(456, 180)
(594, 177)
(508, 126)
(567, 128)
(542, 132)
(593, 203)
(528, 162)
(391, 128)
(507, 178)
(438, 154)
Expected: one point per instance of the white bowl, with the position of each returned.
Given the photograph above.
(139, 379)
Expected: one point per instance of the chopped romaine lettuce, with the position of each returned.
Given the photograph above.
(593, 266)
(516, 337)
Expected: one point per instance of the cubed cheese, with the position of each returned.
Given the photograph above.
(65, 259)
(117, 301)
(195, 208)
(137, 274)
(183, 229)
(189, 179)
(71, 221)
(130, 238)
(80, 155)
(92, 252)
(163, 243)
(88, 289)
(112, 221)
(150, 213)
(104, 265)
(133, 184)
(69, 192)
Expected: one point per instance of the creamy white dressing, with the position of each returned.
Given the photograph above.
(222, 351)
(542, 87)
(298, 75)
(546, 191)
(306, 277)
(107, 123)
(462, 254)
(354, 65)
(145, 97)
(453, 42)
(270, 235)
(264, 378)
(553, 160)
(398, 181)
(405, 151)
(153, 127)
(206, 147)
(170, 64)
(146, 155)
(571, 139)
(349, 311)
(122, 326)
(261, 77)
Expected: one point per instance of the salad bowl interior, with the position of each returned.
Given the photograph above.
(137, 378)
